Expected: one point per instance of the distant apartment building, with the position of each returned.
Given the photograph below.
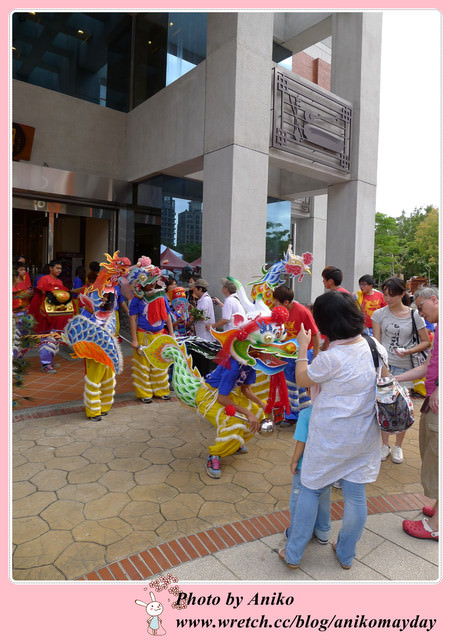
(168, 221)
(189, 225)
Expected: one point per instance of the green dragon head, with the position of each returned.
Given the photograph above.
(257, 342)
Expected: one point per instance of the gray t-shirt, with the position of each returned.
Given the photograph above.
(397, 332)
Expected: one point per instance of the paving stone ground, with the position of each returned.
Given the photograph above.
(85, 495)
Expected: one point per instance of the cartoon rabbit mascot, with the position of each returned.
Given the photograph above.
(154, 609)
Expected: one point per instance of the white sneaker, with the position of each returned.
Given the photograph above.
(385, 452)
(397, 455)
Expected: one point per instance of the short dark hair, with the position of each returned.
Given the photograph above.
(367, 278)
(283, 293)
(94, 266)
(337, 315)
(54, 262)
(333, 273)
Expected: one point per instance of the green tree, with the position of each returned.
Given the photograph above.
(410, 259)
(386, 247)
(407, 245)
(427, 237)
(190, 251)
(277, 241)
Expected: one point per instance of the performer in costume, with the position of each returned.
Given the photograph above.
(149, 315)
(289, 266)
(91, 333)
(226, 397)
(298, 316)
(52, 307)
(120, 303)
(179, 310)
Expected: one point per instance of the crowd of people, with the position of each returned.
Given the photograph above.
(331, 382)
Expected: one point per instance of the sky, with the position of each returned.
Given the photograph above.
(409, 163)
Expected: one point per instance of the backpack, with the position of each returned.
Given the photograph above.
(394, 408)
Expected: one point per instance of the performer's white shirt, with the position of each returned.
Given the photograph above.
(231, 306)
(205, 304)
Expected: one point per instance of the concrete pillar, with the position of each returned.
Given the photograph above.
(126, 233)
(356, 53)
(310, 235)
(237, 119)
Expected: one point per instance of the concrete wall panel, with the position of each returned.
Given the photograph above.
(167, 129)
(71, 134)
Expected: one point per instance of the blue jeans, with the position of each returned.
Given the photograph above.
(307, 511)
(299, 526)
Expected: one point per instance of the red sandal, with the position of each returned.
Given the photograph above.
(417, 529)
(428, 511)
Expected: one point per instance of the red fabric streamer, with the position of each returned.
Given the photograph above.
(278, 385)
(156, 311)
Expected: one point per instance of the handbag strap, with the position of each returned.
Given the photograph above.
(414, 327)
(417, 339)
(374, 351)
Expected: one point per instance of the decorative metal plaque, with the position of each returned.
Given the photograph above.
(311, 123)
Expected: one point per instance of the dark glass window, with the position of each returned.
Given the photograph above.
(117, 60)
(85, 55)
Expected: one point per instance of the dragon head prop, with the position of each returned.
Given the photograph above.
(111, 272)
(146, 280)
(256, 340)
(99, 297)
(289, 266)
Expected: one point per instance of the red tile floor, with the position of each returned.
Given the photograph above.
(66, 386)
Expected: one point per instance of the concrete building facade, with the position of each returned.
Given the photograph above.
(238, 129)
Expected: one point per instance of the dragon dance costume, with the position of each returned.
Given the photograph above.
(52, 307)
(250, 355)
(91, 333)
(289, 266)
(149, 314)
(179, 310)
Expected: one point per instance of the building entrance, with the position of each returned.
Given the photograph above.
(74, 234)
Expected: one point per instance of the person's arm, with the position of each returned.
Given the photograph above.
(124, 307)
(298, 451)
(434, 400)
(133, 331)
(246, 390)
(170, 325)
(303, 338)
(254, 422)
(424, 344)
(377, 331)
(218, 324)
(416, 373)
(316, 344)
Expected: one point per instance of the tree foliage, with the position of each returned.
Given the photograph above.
(277, 241)
(190, 250)
(408, 245)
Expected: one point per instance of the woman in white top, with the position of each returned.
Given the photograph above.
(393, 327)
(344, 437)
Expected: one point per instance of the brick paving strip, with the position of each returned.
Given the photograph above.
(148, 563)
(48, 411)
